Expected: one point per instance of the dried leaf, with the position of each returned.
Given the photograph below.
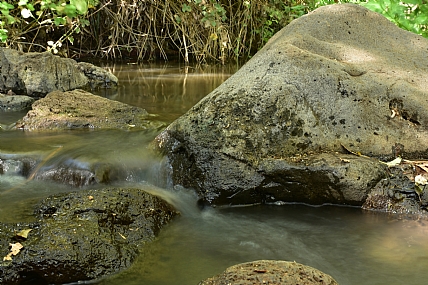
(420, 180)
(24, 233)
(8, 257)
(394, 162)
(15, 248)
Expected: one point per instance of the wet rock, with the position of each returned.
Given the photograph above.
(82, 235)
(14, 103)
(398, 194)
(68, 175)
(270, 272)
(16, 165)
(341, 76)
(79, 109)
(98, 77)
(78, 176)
(36, 74)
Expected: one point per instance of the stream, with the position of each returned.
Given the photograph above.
(352, 245)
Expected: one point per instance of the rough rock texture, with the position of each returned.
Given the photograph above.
(270, 272)
(13, 103)
(97, 76)
(36, 74)
(78, 176)
(398, 194)
(341, 76)
(82, 235)
(79, 109)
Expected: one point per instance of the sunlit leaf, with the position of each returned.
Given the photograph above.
(81, 6)
(420, 180)
(394, 162)
(24, 233)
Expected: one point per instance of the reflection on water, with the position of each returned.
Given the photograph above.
(353, 246)
(167, 90)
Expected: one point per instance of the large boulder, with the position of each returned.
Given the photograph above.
(81, 236)
(36, 74)
(273, 272)
(339, 80)
(79, 109)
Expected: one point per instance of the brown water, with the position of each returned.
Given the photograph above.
(354, 246)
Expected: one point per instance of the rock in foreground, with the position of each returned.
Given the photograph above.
(82, 235)
(270, 272)
(340, 78)
(79, 109)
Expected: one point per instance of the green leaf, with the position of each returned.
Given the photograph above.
(81, 6)
(186, 8)
(70, 10)
(421, 19)
(59, 21)
(3, 35)
(10, 19)
(177, 19)
(24, 233)
(416, 2)
(374, 6)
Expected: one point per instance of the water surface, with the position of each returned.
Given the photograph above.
(354, 246)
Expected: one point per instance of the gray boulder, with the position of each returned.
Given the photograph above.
(82, 235)
(79, 109)
(273, 272)
(14, 103)
(36, 74)
(339, 79)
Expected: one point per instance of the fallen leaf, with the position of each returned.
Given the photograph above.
(394, 162)
(8, 257)
(15, 248)
(420, 180)
(24, 233)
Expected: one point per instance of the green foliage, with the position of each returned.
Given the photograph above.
(204, 30)
(411, 15)
(278, 14)
(20, 20)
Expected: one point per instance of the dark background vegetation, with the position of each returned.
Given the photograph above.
(191, 30)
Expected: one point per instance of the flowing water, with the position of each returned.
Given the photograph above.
(354, 246)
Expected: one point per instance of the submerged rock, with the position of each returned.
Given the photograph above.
(340, 78)
(271, 272)
(82, 235)
(36, 74)
(17, 165)
(79, 109)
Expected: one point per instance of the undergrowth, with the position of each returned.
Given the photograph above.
(201, 30)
